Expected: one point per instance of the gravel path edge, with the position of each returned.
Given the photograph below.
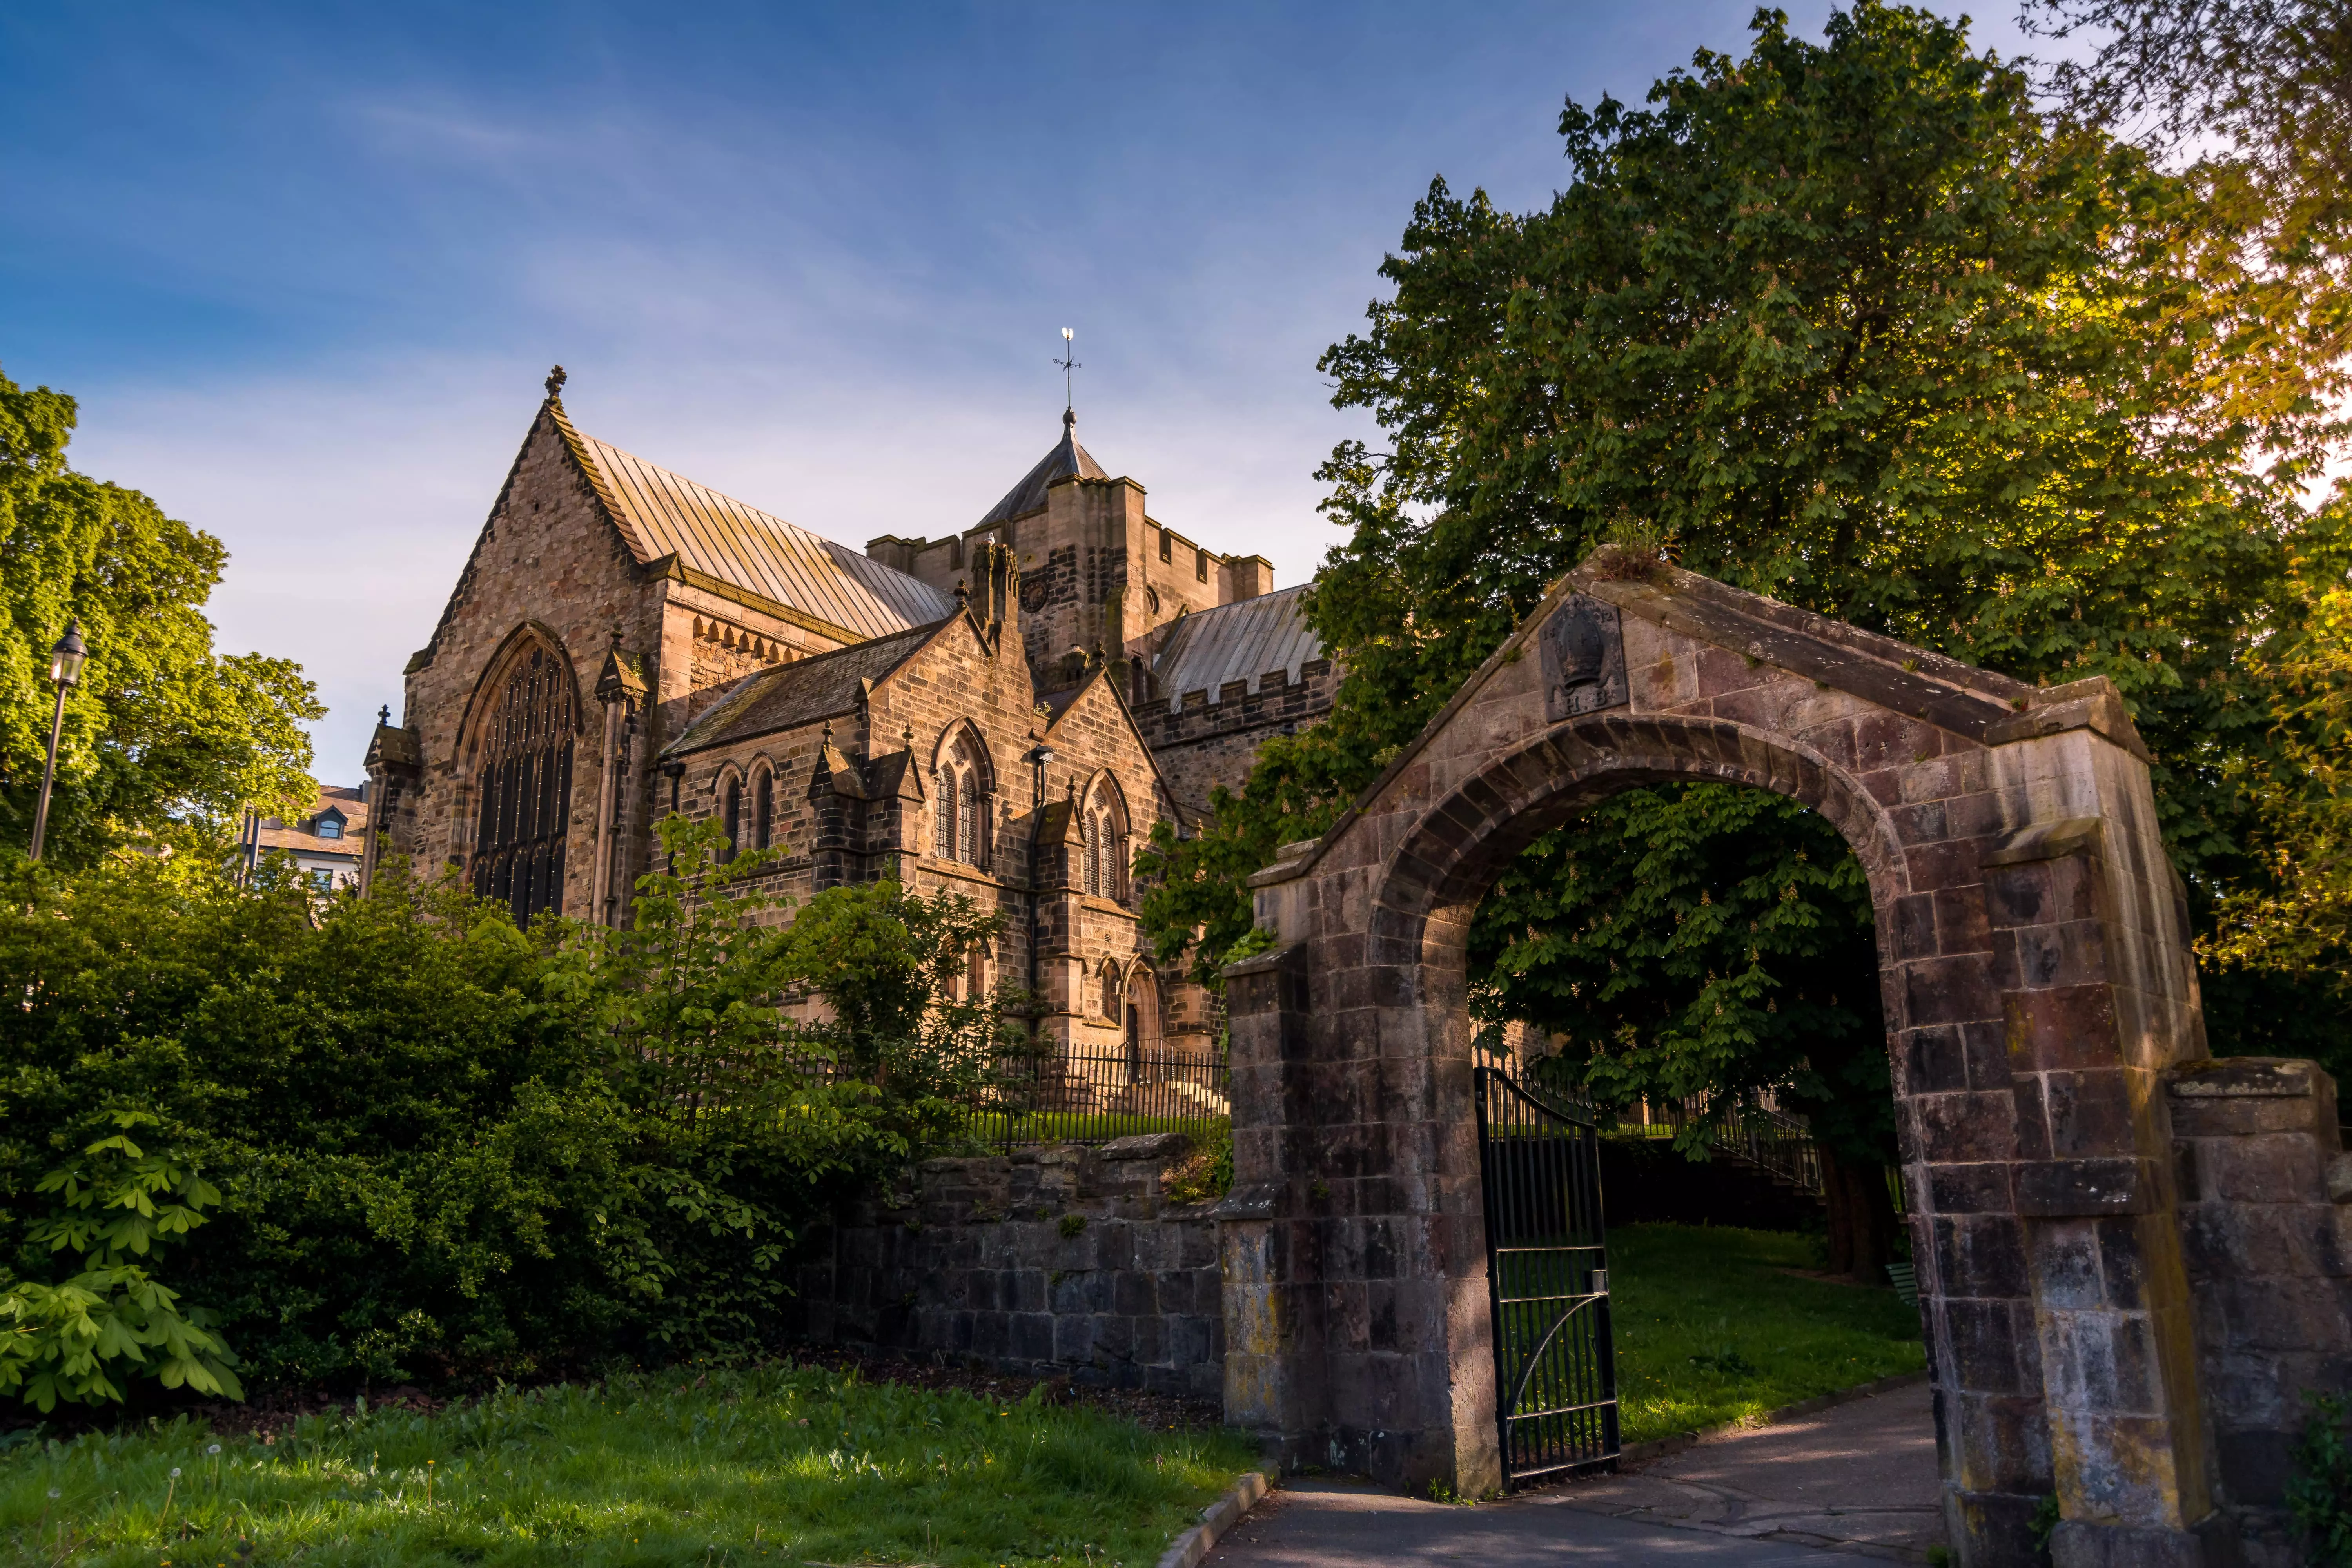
(1220, 1516)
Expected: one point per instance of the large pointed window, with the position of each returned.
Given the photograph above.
(523, 775)
(1102, 828)
(960, 804)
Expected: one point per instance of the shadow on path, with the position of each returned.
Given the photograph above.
(1858, 1479)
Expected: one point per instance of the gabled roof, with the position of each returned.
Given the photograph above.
(1236, 642)
(660, 514)
(787, 696)
(1066, 460)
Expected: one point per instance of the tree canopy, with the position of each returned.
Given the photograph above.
(1856, 325)
(163, 738)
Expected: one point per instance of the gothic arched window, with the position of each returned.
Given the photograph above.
(960, 804)
(764, 809)
(733, 819)
(1102, 826)
(524, 779)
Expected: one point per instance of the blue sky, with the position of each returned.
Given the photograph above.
(306, 266)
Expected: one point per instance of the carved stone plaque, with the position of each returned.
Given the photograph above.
(1584, 658)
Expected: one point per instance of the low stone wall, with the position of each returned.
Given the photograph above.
(2267, 1240)
(1062, 1262)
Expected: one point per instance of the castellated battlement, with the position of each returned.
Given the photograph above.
(1200, 744)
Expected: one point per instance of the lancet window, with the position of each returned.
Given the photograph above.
(524, 780)
(763, 808)
(960, 805)
(1103, 843)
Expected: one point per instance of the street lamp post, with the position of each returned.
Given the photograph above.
(65, 669)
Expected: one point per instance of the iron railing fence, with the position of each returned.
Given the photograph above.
(1087, 1092)
(1771, 1138)
(1081, 1093)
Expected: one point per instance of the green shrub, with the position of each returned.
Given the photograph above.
(448, 1148)
(2319, 1485)
(70, 1341)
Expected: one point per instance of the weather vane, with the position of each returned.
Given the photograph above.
(1068, 362)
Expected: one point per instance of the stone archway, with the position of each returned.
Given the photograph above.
(2034, 953)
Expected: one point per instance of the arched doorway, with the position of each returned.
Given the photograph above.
(2033, 960)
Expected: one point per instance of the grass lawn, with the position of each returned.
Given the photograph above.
(787, 1464)
(1708, 1331)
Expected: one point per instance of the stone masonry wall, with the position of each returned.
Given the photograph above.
(1199, 744)
(2268, 1241)
(1063, 1261)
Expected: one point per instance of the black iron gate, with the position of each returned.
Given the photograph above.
(1547, 1276)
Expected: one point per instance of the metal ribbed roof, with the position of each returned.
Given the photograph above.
(664, 513)
(1066, 460)
(786, 696)
(1236, 642)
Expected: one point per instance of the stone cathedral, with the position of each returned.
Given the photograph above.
(1005, 709)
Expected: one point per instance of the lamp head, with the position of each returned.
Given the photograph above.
(65, 659)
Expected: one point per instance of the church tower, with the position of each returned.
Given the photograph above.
(1099, 576)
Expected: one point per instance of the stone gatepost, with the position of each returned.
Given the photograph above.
(2266, 1216)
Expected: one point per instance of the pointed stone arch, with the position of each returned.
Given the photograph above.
(515, 756)
(2034, 956)
(1106, 839)
(964, 796)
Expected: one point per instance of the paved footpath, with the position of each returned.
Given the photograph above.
(1857, 1479)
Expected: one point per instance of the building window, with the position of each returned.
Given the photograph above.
(1201, 564)
(763, 808)
(1102, 852)
(959, 806)
(1167, 547)
(734, 819)
(524, 782)
(329, 827)
(323, 881)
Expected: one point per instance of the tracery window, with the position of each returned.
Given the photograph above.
(524, 782)
(960, 805)
(1102, 828)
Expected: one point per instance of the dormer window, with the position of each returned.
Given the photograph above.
(328, 824)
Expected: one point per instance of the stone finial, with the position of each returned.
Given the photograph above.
(963, 595)
(555, 379)
(907, 735)
(384, 714)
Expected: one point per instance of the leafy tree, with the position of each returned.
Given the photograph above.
(69, 1340)
(162, 736)
(1852, 324)
(2268, 79)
